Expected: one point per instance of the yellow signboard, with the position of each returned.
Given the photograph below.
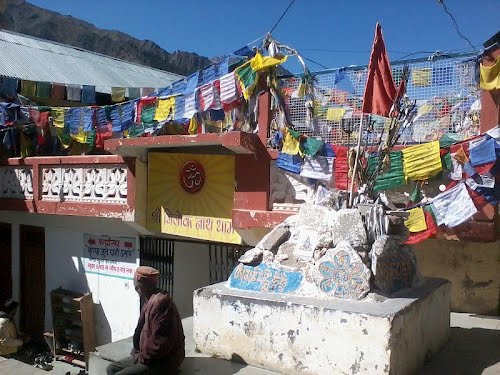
(192, 195)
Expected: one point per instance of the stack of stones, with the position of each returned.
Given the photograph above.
(325, 253)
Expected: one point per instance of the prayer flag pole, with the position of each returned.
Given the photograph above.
(380, 92)
(358, 147)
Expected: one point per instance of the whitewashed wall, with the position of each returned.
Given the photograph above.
(191, 271)
(116, 302)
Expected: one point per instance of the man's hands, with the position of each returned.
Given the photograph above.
(24, 338)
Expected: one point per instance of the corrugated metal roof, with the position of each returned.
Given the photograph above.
(26, 57)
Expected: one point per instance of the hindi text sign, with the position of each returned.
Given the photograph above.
(110, 256)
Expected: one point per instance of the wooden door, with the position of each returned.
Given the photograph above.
(5, 262)
(32, 281)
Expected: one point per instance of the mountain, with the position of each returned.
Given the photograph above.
(25, 18)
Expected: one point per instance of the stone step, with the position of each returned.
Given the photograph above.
(195, 363)
(15, 367)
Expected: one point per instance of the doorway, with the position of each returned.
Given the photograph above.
(5, 262)
(32, 280)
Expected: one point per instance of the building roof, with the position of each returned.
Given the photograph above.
(30, 58)
(494, 40)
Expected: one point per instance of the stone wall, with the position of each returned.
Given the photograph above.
(309, 336)
(473, 269)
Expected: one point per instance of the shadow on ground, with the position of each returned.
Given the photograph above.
(468, 352)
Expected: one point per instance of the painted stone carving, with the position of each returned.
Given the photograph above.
(342, 274)
(394, 267)
(266, 277)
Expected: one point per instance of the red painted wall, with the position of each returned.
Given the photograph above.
(490, 100)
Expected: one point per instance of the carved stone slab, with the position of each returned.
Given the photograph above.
(342, 274)
(266, 277)
(394, 267)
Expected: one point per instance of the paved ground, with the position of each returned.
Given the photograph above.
(473, 349)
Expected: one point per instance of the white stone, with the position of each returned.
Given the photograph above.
(267, 256)
(252, 257)
(301, 335)
(306, 244)
(312, 216)
(275, 238)
(347, 225)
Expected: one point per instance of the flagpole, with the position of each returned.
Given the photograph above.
(358, 147)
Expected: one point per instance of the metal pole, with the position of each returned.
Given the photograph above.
(351, 189)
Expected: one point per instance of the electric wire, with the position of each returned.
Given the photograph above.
(281, 17)
(345, 51)
(314, 62)
(456, 24)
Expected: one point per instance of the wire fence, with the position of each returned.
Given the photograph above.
(445, 90)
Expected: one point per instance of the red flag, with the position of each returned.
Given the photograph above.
(380, 90)
(431, 231)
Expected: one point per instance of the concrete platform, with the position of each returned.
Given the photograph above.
(299, 335)
(14, 367)
(473, 348)
(195, 363)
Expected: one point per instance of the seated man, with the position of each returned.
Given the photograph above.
(159, 337)
(9, 342)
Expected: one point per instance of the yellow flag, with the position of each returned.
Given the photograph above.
(422, 161)
(165, 108)
(421, 77)
(80, 137)
(335, 114)
(260, 62)
(58, 117)
(426, 108)
(118, 94)
(290, 145)
(416, 220)
(193, 125)
(490, 76)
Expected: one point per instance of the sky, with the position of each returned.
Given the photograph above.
(332, 33)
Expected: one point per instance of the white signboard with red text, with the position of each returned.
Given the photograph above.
(110, 256)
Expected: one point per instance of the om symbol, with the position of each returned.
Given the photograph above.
(192, 176)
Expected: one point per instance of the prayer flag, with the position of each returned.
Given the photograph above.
(422, 161)
(28, 88)
(490, 76)
(454, 206)
(118, 94)
(416, 221)
(43, 89)
(290, 144)
(318, 168)
(431, 230)
(421, 77)
(379, 90)
(165, 109)
(74, 93)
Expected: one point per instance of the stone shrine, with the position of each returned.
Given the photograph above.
(317, 295)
